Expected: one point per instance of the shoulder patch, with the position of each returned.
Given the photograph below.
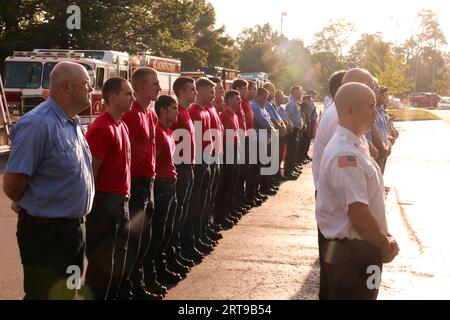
(346, 161)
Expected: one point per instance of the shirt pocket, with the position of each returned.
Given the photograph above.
(66, 158)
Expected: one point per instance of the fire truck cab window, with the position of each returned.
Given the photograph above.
(48, 67)
(123, 74)
(100, 76)
(25, 75)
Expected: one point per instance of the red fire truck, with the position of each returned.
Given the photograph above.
(5, 121)
(27, 76)
(168, 69)
(226, 75)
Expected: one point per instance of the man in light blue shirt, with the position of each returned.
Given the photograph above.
(293, 110)
(261, 116)
(263, 126)
(50, 181)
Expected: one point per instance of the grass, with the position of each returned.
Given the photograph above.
(412, 115)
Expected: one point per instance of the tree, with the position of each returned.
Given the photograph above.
(374, 58)
(171, 28)
(328, 51)
(427, 56)
(393, 74)
(358, 52)
(297, 67)
(258, 49)
(333, 38)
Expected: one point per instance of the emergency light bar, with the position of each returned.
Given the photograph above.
(56, 54)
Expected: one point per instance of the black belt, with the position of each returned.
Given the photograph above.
(338, 251)
(26, 217)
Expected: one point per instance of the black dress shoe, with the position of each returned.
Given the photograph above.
(184, 261)
(226, 224)
(203, 247)
(142, 294)
(177, 267)
(213, 235)
(193, 254)
(168, 277)
(269, 192)
(236, 214)
(155, 287)
(207, 240)
(216, 227)
(176, 261)
(291, 177)
(263, 197)
(232, 218)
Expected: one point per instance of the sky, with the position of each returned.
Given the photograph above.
(395, 19)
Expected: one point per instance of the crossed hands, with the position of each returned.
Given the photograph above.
(389, 252)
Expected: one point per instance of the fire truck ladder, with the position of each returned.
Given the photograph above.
(5, 121)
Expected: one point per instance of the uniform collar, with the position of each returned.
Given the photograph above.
(60, 114)
(352, 138)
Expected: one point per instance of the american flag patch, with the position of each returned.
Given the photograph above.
(347, 161)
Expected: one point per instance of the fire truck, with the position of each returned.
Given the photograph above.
(27, 76)
(226, 75)
(5, 121)
(168, 69)
(259, 77)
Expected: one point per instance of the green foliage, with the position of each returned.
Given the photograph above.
(392, 73)
(185, 29)
(171, 28)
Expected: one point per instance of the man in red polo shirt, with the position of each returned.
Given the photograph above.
(141, 121)
(184, 158)
(210, 233)
(165, 189)
(227, 197)
(246, 112)
(107, 225)
(191, 245)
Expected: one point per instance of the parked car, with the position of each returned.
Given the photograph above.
(394, 103)
(444, 104)
(424, 100)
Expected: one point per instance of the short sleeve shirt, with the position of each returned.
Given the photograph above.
(293, 109)
(109, 142)
(184, 122)
(165, 147)
(231, 124)
(202, 116)
(348, 174)
(50, 148)
(325, 130)
(248, 111)
(216, 125)
(141, 124)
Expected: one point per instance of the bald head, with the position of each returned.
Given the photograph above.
(359, 75)
(65, 71)
(70, 87)
(355, 104)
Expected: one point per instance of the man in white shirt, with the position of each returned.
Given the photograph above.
(327, 124)
(350, 208)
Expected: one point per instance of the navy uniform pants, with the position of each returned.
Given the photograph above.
(141, 216)
(351, 268)
(107, 233)
(52, 253)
